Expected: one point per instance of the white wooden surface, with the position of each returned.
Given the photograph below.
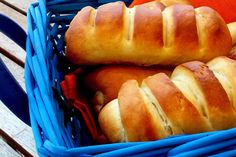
(8, 121)
(15, 128)
(6, 150)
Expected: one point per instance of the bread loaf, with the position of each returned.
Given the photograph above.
(147, 34)
(196, 98)
(105, 81)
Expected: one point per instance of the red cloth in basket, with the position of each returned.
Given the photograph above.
(70, 91)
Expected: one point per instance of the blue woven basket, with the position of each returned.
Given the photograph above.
(47, 23)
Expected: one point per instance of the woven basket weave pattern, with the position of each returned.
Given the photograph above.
(47, 23)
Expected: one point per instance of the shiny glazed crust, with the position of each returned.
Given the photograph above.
(176, 106)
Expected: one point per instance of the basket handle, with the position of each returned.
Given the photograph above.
(11, 93)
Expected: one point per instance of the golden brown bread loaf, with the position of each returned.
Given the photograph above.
(147, 34)
(196, 98)
(105, 81)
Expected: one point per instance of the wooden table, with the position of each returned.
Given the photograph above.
(15, 136)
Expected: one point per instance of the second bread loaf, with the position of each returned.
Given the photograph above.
(196, 98)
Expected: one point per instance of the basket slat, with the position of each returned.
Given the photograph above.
(70, 7)
(205, 141)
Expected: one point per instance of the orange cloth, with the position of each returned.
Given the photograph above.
(137, 2)
(226, 8)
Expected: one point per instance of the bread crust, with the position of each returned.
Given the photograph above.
(177, 107)
(232, 29)
(139, 117)
(216, 103)
(112, 127)
(224, 69)
(214, 35)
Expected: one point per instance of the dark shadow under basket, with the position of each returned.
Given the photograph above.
(47, 23)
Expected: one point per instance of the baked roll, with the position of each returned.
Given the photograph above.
(147, 34)
(196, 98)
